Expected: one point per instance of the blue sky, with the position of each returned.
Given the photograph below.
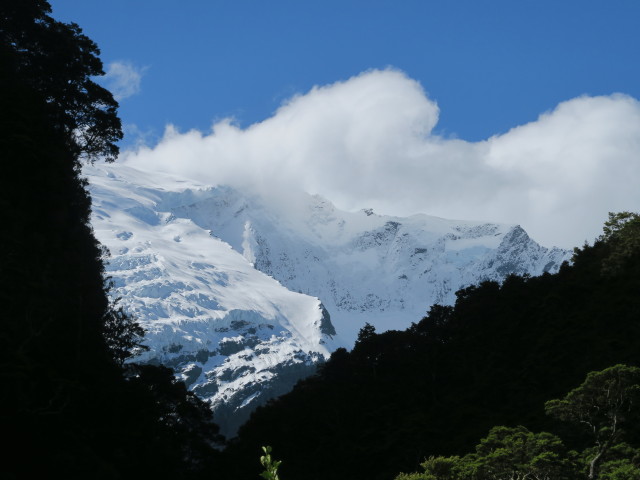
(490, 65)
(521, 112)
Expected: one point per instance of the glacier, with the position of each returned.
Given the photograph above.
(243, 295)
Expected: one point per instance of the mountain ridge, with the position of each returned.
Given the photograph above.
(244, 295)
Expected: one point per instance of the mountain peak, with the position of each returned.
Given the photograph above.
(243, 295)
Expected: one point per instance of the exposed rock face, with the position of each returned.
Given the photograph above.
(243, 296)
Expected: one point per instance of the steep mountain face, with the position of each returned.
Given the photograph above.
(243, 295)
(234, 335)
(366, 267)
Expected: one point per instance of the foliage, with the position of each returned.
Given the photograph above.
(366, 332)
(618, 224)
(177, 416)
(622, 233)
(505, 454)
(270, 466)
(122, 333)
(603, 405)
(56, 60)
(622, 462)
(436, 468)
(519, 453)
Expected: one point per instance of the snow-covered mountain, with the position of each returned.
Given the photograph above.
(243, 295)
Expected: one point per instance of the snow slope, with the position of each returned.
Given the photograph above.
(366, 267)
(231, 288)
(235, 335)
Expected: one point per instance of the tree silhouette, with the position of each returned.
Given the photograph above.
(58, 62)
(122, 334)
(66, 406)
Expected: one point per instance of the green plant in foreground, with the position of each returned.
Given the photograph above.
(270, 466)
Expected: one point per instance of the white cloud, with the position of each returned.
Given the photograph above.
(123, 79)
(369, 142)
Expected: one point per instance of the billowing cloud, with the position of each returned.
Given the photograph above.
(123, 79)
(369, 142)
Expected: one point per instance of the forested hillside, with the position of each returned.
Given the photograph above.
(493, 359)
(68, 406)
